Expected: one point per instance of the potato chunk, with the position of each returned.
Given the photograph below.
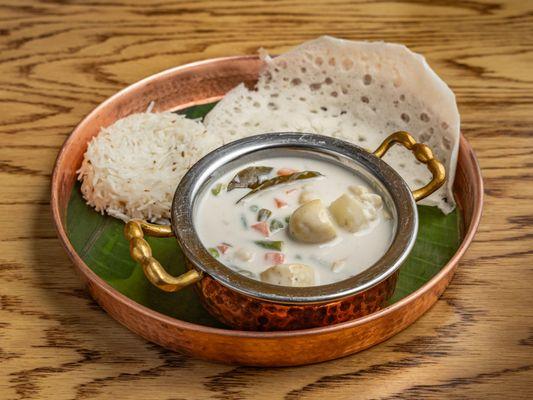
(244, 255)
(374, 199)
(289, 275)
(349, 213)
(311, 223)
(358, 190)
(306, 196)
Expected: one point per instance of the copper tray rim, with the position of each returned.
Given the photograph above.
(83, 268)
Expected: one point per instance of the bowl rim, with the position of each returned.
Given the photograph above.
(90, 276)
(238, 154)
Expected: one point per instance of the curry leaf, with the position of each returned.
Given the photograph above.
(278, 180)
(249, 177)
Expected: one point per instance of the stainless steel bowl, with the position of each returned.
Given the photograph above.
(225, 292)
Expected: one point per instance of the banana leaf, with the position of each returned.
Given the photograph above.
(99, 241)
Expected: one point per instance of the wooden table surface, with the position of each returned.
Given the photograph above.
(59, 59)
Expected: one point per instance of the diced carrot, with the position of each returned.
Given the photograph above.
(274, 258)
(280, 203)
(285, 171)
(223, 248)
(262, 227)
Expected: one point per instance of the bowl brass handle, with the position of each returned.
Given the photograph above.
(141, 252)
(423, 154)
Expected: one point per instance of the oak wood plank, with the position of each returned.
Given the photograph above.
(59, 59)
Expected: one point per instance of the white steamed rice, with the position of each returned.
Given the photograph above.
(132, 168)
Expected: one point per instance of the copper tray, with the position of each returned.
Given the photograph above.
(204, 82)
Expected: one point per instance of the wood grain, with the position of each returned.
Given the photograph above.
(59, 59)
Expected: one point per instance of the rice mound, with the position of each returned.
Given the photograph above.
(132, 168)
(356, 91)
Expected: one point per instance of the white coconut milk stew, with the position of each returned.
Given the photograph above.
(294, 221)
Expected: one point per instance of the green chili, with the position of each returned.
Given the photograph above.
(270, 244)
(275, 225)
(263, 214)
(214, 252)
(217, 188)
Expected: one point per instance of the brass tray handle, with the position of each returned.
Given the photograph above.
(423, 154)
(141, 252)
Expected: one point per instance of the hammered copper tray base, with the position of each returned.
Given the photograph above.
(204, 82)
